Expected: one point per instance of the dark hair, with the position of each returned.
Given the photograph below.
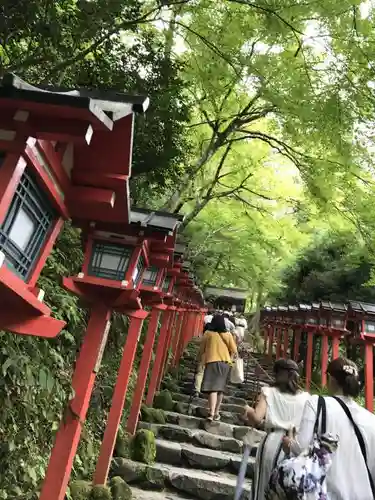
(345, 372)
(217, 324)
(289, 370)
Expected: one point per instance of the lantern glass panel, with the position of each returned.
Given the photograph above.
(338, 322)
(137, 274)
(312, 321)
(370, 327)
(109, 260)
(166, 284)
(26, 226)
(150, 276)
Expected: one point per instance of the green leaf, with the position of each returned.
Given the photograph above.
(32, 474)
(43, 378)
(50, 382)
(6, 365)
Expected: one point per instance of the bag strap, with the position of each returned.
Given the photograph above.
(322, 410)
(361, 441)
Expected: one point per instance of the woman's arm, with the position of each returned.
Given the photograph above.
(232, 345)
(305, 433)
(202, 347)
(256, 415)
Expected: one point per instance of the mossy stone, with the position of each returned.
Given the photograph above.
(163, 400)
(100, 492)
(152, 415)
(179, 407)
(122, 446)
(158, 416)
(144, 447)
(119, 489)
(146, 414)
(153, 479)
(80, 490)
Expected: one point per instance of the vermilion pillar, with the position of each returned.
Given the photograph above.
(118, 398)
(159, 355)
(369, 376)
(166, 346)
(68, 435)
(278, 345)
(182, 336)
(297, 342)
(309, 359)
(178, 332)
(265, 340)
(324, 359)
(335, 347)
(170, 335)
(286, 342)
(270, 341)
(143, 368)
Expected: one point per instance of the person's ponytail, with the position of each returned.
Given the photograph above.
(345, 372)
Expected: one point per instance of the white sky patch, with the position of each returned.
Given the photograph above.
(365, 8)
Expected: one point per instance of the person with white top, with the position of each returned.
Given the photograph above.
(348, 477)
(241, 327)
(280, 408)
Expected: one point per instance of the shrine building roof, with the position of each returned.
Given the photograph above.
(160, 221)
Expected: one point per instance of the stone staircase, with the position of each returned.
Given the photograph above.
(197, 459)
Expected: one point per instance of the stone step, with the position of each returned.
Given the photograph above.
(205, 485)
(236, 392)
(251, 379)
(138, 494)
(198, 437)
(202, 412)
(188, 455)
(248, 386)
(185, 398)
(221, 428)
(225, 407)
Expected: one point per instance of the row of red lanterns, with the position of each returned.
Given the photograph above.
(67, 155)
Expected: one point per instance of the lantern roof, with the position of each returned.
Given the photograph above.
(362, 307)
(158, 220)
(226, 297)
(282, 308)
(107, 106)
(293, 308)
(333, 306)
(304, 307)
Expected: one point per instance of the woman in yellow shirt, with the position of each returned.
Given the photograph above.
(216, 353)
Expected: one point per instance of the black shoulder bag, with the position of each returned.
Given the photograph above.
(361, 441)
(321, 410)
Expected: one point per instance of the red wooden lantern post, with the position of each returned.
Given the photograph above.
(332, 325)
(310, 314)
(291, 320)
(270, 340)
(152, 295)
(110, 277)
(284, 319)
(159, 356)
(279, 332)
(361, 323)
